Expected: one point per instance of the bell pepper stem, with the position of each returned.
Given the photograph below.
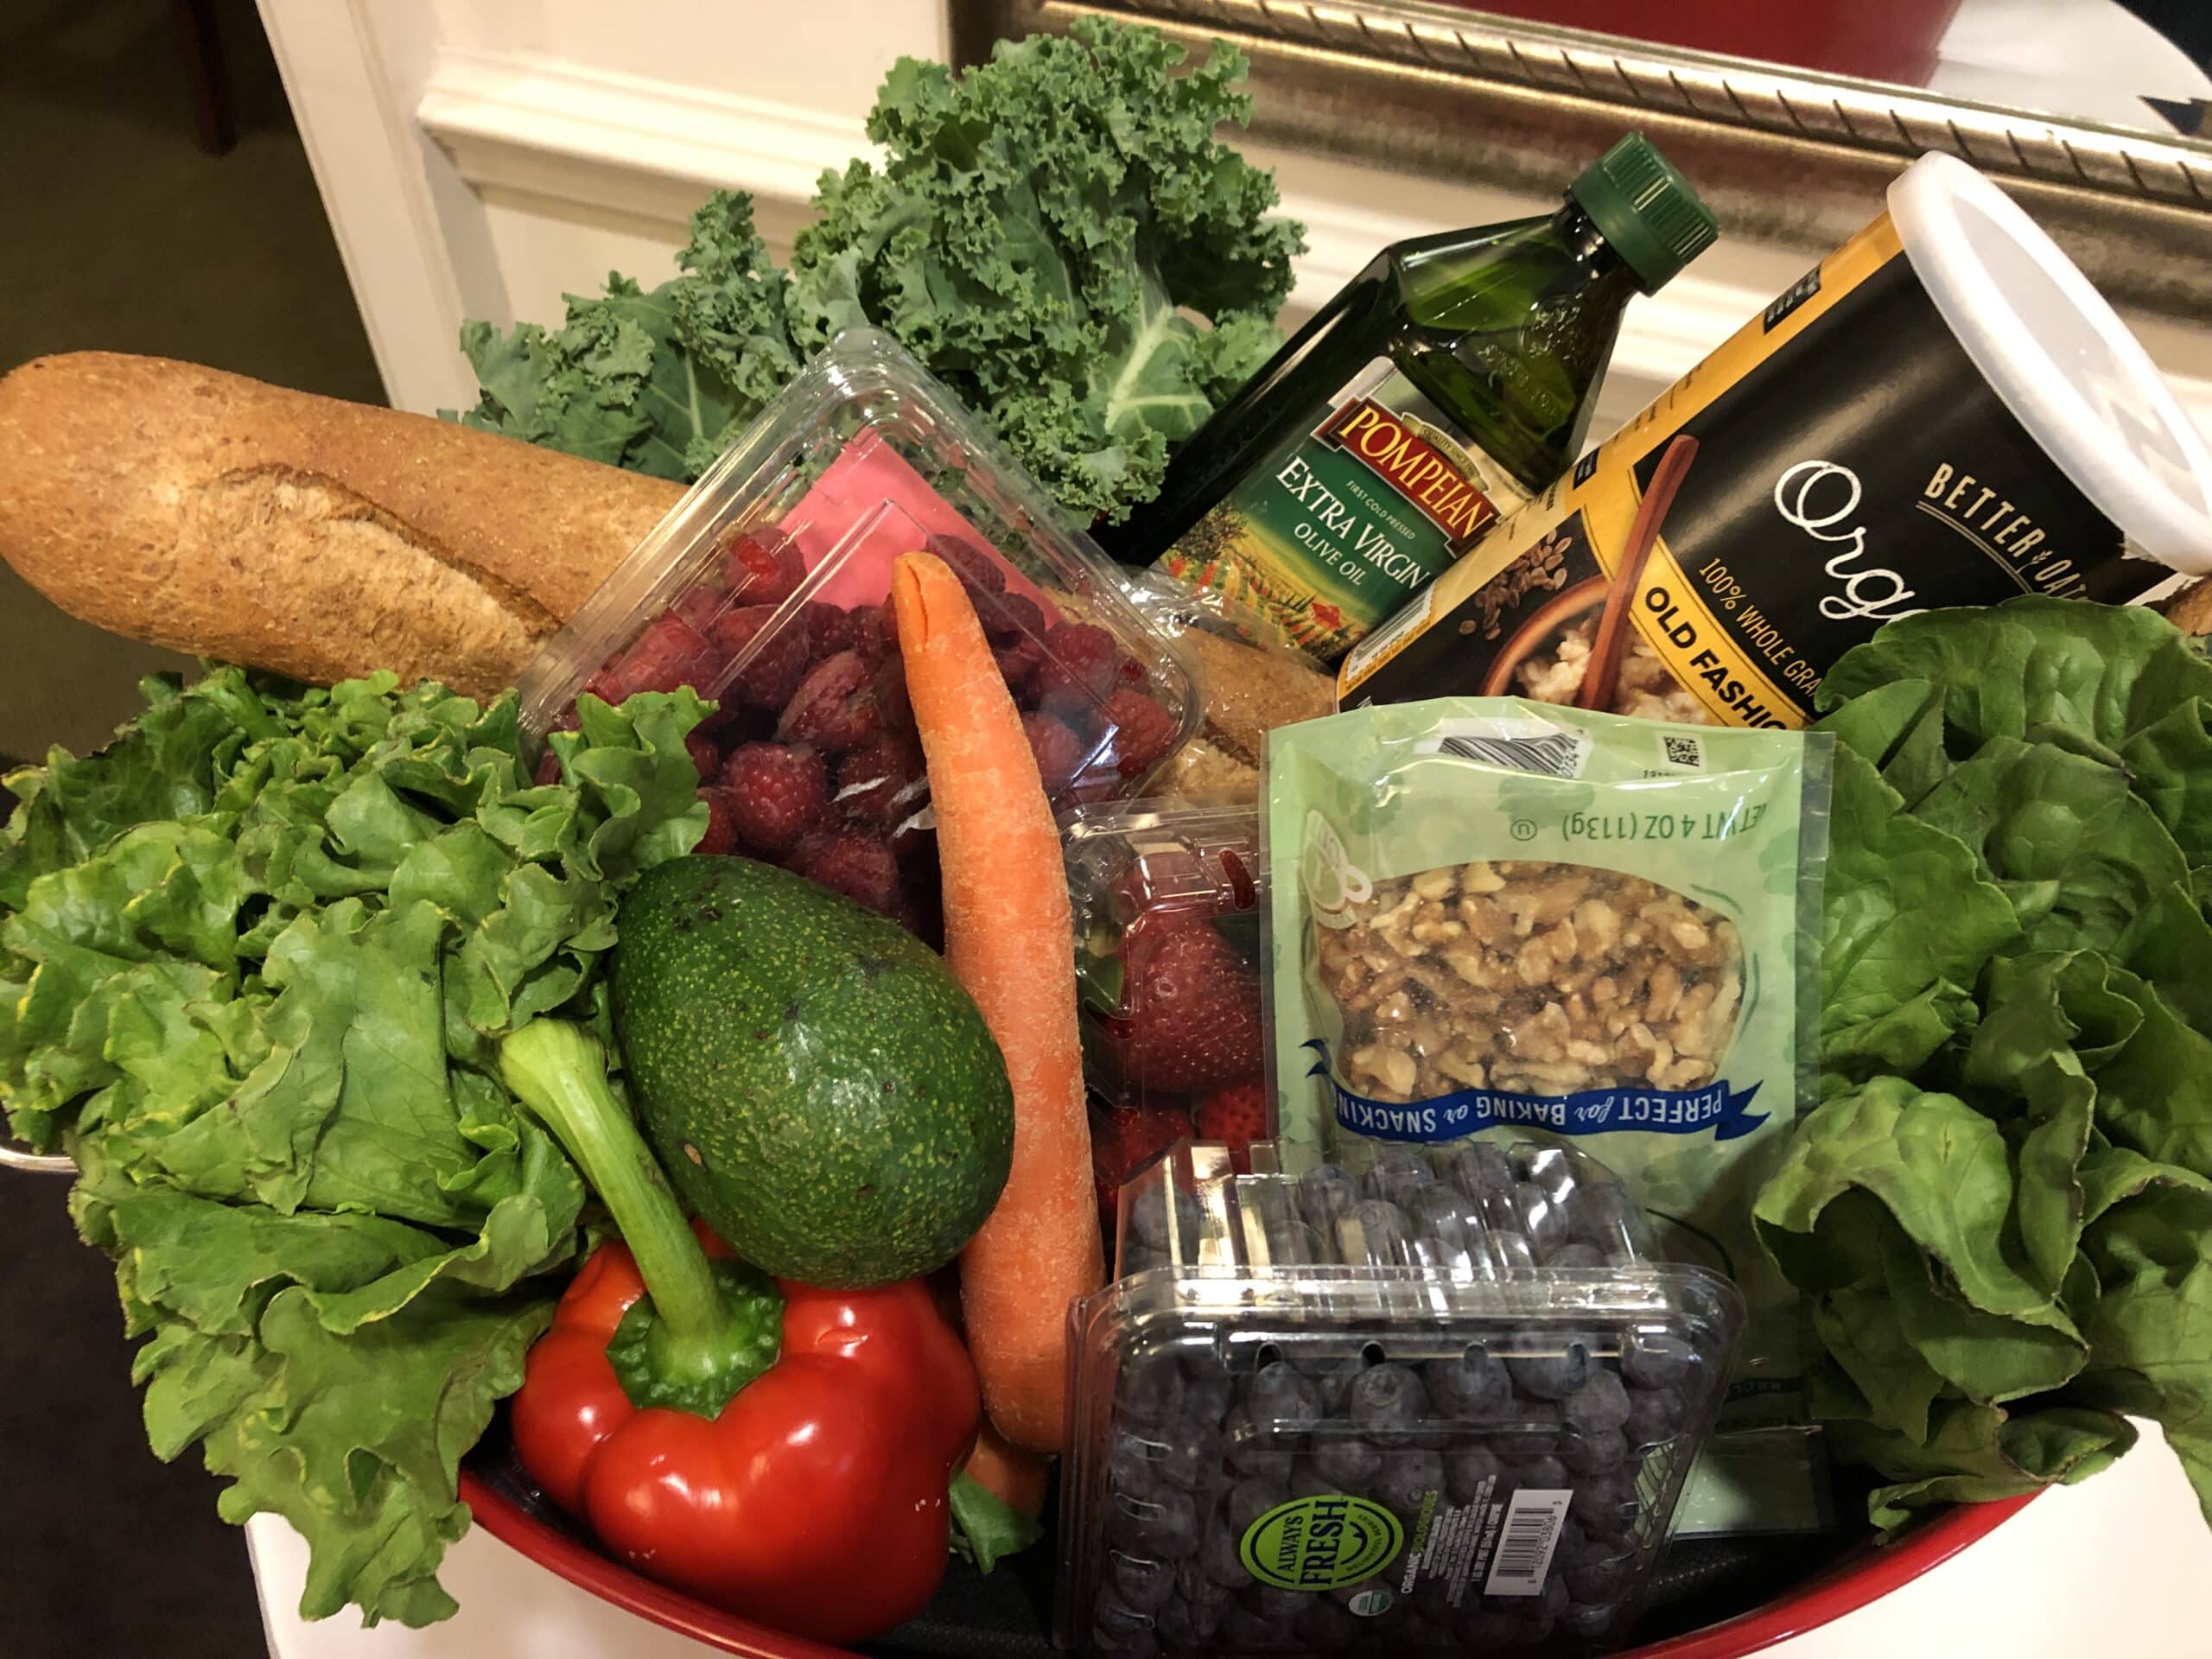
(558, 1070)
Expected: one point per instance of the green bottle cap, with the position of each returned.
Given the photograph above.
(1646, 209)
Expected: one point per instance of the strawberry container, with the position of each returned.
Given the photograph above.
(1443, 1404)
(765, 588)
(1167, 914)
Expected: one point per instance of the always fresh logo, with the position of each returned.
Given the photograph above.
(1320, 1543)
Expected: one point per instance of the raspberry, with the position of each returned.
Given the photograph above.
(763, 566)
(874, 632)
(1141, 731)
(548, 769)
(881, 782)
(829, 630)
(1010, 616)
(604, 683)
(767, 680)
(1060, 752)
(980, 572)
(722, 831)
(705, 758)
(669, 654)
(1018, 659)
(1081, 661)
(701, 603)
(776, 794)
(859, 865)
(835, 705)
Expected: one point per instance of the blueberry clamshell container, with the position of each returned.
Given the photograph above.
(1134, 867)
(1442, 1406)
(862, 457)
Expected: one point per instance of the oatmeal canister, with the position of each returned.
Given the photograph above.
(1488, 915)
(1942, 412)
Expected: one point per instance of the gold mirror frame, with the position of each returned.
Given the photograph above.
(1784, 156)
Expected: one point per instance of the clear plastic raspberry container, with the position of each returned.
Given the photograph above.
(765, 589)
(1167, 904)
(1443, 1404)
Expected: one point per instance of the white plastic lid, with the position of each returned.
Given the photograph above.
(2059, 357)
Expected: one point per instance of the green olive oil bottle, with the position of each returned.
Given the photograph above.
(1447, 384)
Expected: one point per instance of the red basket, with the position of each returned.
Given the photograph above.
(1857, 1578)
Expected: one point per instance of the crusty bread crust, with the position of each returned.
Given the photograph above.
(213, 514)
(2191, 608)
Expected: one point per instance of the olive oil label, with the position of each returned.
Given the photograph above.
(1337, 528)
(1852, 467)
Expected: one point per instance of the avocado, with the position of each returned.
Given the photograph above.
(818, 1087)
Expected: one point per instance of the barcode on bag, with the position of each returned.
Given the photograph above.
(1682, 751)
(1548, 757)
(1524, 1547)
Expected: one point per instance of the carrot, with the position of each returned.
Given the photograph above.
(1015, 1477)
(1009, 941)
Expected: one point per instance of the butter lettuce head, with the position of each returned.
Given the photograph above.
(2001, 1212)
(254, 957)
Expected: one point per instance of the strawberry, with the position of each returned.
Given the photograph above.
(1190, 1007)
(1235, 1115)
(1123, 1140)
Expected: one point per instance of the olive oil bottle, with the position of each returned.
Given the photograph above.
(1447, 382)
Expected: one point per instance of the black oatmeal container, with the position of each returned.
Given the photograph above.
(1443, 1406)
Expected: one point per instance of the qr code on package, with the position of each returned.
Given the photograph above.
(1682, 751)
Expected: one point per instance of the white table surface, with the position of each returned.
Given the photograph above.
(2119, 1566)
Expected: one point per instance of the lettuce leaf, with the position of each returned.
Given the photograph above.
(2001, 1213)
(254, 957)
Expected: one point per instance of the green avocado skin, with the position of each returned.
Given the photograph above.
(817, 1085)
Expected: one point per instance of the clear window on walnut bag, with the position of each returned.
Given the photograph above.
(1488, 916)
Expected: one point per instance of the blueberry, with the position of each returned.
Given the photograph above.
(1484, 1169)
(1599, 1405)
(1278, 1607)
(1472, 1384)
(1603, 1580)
(1657, 1359)
(1199, 1590)
(1283, 1403)
(1218, 1562)
(1606, 1504)
(1290, 1243)
(1609, 1220)
(1548, 1169)
(1250, 1452)
(1246, 1629)
(1148, 1216)
(1389, 1404)
(1441, 1239)
(1589, 1619)
(1166, 1525)
(1142, 1581)
(1324, 1626)
(1653, 1415)
(1559, 1365)
(1407, 1480)
(1397, 1174)
(1208, 1388)
(1149, 1388)
(1530, 1428)
(1189, 1454)
(1373, 1236)
(1541, 1219)
(1179, 1625)
(1575, 1255)
(1305, 1481)
(1487, 1625)
(1465, 1471)
(1119, 1628)
(1327, 1194)
(1346, 1461)
(1248, 1500)
(1133, 1470)
(1545, 1473)
(1332, 1380)
(1586, 1454)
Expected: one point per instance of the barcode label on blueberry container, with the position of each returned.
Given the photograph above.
(1524, 1547)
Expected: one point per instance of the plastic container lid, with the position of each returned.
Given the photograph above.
(2059, 357)
(1647, 210)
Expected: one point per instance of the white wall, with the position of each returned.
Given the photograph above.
(482, 159)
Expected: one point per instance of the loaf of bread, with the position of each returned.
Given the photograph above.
(2191, 608)
(222, 516)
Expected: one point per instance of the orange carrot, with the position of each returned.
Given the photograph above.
(1006, 1473)
(1009, 942)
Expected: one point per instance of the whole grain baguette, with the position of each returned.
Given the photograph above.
(2191, 608)
(216, 515)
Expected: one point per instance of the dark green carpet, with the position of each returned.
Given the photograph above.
(120, 234)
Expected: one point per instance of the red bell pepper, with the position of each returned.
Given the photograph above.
(781, 1450)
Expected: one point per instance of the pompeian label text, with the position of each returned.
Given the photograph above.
(1412, 466)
